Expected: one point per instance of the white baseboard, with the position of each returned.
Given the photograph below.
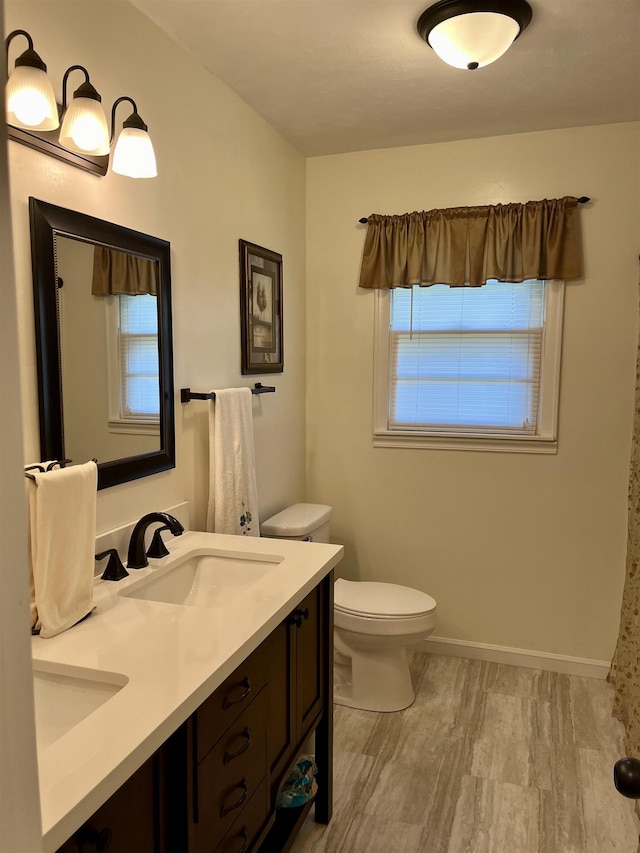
(516, 657)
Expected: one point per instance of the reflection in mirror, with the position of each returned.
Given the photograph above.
(107, 308)
(103, 332)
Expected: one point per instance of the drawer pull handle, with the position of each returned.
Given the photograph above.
(245, 840)
(246, 684)
(229, 756)
(100, 838)
(225, 810)
(298, 617)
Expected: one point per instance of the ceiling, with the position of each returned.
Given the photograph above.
(349, 75)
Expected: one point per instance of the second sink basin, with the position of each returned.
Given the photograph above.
(64, 695)
(205, 579)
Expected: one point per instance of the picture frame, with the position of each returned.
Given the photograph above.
(260, 309)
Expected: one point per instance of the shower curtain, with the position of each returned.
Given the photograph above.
(625, 666)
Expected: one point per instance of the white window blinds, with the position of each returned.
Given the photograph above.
(466, 359)
(138, 357)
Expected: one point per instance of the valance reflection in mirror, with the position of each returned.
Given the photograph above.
(106, 387)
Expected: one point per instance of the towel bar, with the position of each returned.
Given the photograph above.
(186, 394)
(50, 467)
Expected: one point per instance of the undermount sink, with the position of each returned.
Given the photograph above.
(65, 695)
(211, 578)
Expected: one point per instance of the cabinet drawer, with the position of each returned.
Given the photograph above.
(218, 712)
(230, 774)
(248, 824)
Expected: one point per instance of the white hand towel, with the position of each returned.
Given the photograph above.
(233, 496)
(62, 521)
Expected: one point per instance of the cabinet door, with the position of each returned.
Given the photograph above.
(295, 683)
(280, 721)
(128, 822)
(309, 674)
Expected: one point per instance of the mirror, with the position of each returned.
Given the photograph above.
(102, 296)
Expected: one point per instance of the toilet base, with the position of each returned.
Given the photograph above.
(382, 680)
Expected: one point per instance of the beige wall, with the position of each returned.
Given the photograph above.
(522, 551)
(224, 174)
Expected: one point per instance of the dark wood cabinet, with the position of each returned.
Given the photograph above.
(212, 786)
(131, 821)
(230, 776)
(285, 686)
(309, 662)
(297, 681)
(304, 685)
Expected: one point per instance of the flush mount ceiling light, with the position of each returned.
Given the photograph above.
(473, 33)
(33, 117)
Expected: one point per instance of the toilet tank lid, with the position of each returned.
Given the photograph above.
(296, 520)
(369, 598)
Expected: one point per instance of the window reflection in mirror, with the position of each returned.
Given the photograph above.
(109, 351)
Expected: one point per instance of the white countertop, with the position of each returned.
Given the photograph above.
(173, 656)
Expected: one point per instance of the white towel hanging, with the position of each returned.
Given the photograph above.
(233, 496)
(62, 522)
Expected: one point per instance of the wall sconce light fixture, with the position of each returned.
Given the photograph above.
(33, 118)
(84, 125)
(30, 99)
(473, 33)
(133, 155)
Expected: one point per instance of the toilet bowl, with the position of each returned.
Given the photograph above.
(374, 623)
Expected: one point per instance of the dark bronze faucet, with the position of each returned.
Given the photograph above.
(137, 558)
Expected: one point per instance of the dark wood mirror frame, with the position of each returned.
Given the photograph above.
(48, 220)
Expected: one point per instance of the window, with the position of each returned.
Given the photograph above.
(134, 400)
(463, 367)
(138, 345)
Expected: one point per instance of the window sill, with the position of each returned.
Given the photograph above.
(133, 427)
(486, 443)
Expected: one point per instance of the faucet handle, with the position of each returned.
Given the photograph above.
(115, 571)
(158, 549)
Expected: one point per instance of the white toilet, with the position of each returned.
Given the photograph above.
(374, 623)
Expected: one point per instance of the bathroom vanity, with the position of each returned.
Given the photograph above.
(223, 694)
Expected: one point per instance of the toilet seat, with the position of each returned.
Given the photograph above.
(382, 609)
(381, 601)
(372, 626)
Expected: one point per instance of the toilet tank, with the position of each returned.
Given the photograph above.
(308, 522)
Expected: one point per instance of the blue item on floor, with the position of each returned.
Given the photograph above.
(300, 786)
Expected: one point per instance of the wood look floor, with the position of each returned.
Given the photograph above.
(489, 759)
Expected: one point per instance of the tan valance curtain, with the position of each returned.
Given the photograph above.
(467, 246)
(117, 272)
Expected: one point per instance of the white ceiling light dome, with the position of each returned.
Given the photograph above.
(473, 33)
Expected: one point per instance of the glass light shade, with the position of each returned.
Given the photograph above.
(478, 37)
(134, 155)
(30, 100)
(84, 128)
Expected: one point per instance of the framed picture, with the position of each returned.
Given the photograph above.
(260, 309)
